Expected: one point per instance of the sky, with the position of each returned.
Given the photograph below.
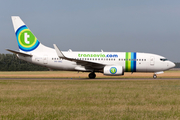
(91, 25)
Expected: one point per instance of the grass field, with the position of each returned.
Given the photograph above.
(65, 74)
(81, 98)
(90, 99)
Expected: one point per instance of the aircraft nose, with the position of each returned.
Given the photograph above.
(171, 65)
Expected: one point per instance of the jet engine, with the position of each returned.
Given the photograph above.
(113, 70)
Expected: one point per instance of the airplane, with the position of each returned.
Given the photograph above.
(108, 63)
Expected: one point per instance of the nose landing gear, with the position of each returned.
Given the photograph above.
(154, 76)
(92, 75)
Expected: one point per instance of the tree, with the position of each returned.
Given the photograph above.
(10, 62)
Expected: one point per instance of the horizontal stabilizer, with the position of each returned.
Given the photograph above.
(19, 53)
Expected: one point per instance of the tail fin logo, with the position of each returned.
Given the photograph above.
(26, 40)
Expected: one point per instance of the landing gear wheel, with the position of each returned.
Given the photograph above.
(154, 76)
(92, 75)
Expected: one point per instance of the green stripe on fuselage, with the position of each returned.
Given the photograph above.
(128, 62)
(128, 66)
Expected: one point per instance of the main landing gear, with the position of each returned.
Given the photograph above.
(154, 76)
(92, 75)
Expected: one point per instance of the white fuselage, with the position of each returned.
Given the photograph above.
(143, 62)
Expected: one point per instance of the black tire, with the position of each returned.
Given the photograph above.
(154, 76)
(92, 75)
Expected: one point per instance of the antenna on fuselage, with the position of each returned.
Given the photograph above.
(69, 50)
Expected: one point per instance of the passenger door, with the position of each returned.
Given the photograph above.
(45, 59)
(152, 61)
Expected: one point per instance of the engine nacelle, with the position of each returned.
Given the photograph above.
(113, 70)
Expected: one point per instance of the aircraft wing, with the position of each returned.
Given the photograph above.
(19, 53)
(86, 64)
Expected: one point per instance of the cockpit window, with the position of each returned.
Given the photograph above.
(163, 59)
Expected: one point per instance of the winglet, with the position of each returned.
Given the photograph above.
(59, 53)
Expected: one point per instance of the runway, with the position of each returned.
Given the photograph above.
(87, 79)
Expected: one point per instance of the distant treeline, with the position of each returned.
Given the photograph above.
(177, 65)
(10, 62)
